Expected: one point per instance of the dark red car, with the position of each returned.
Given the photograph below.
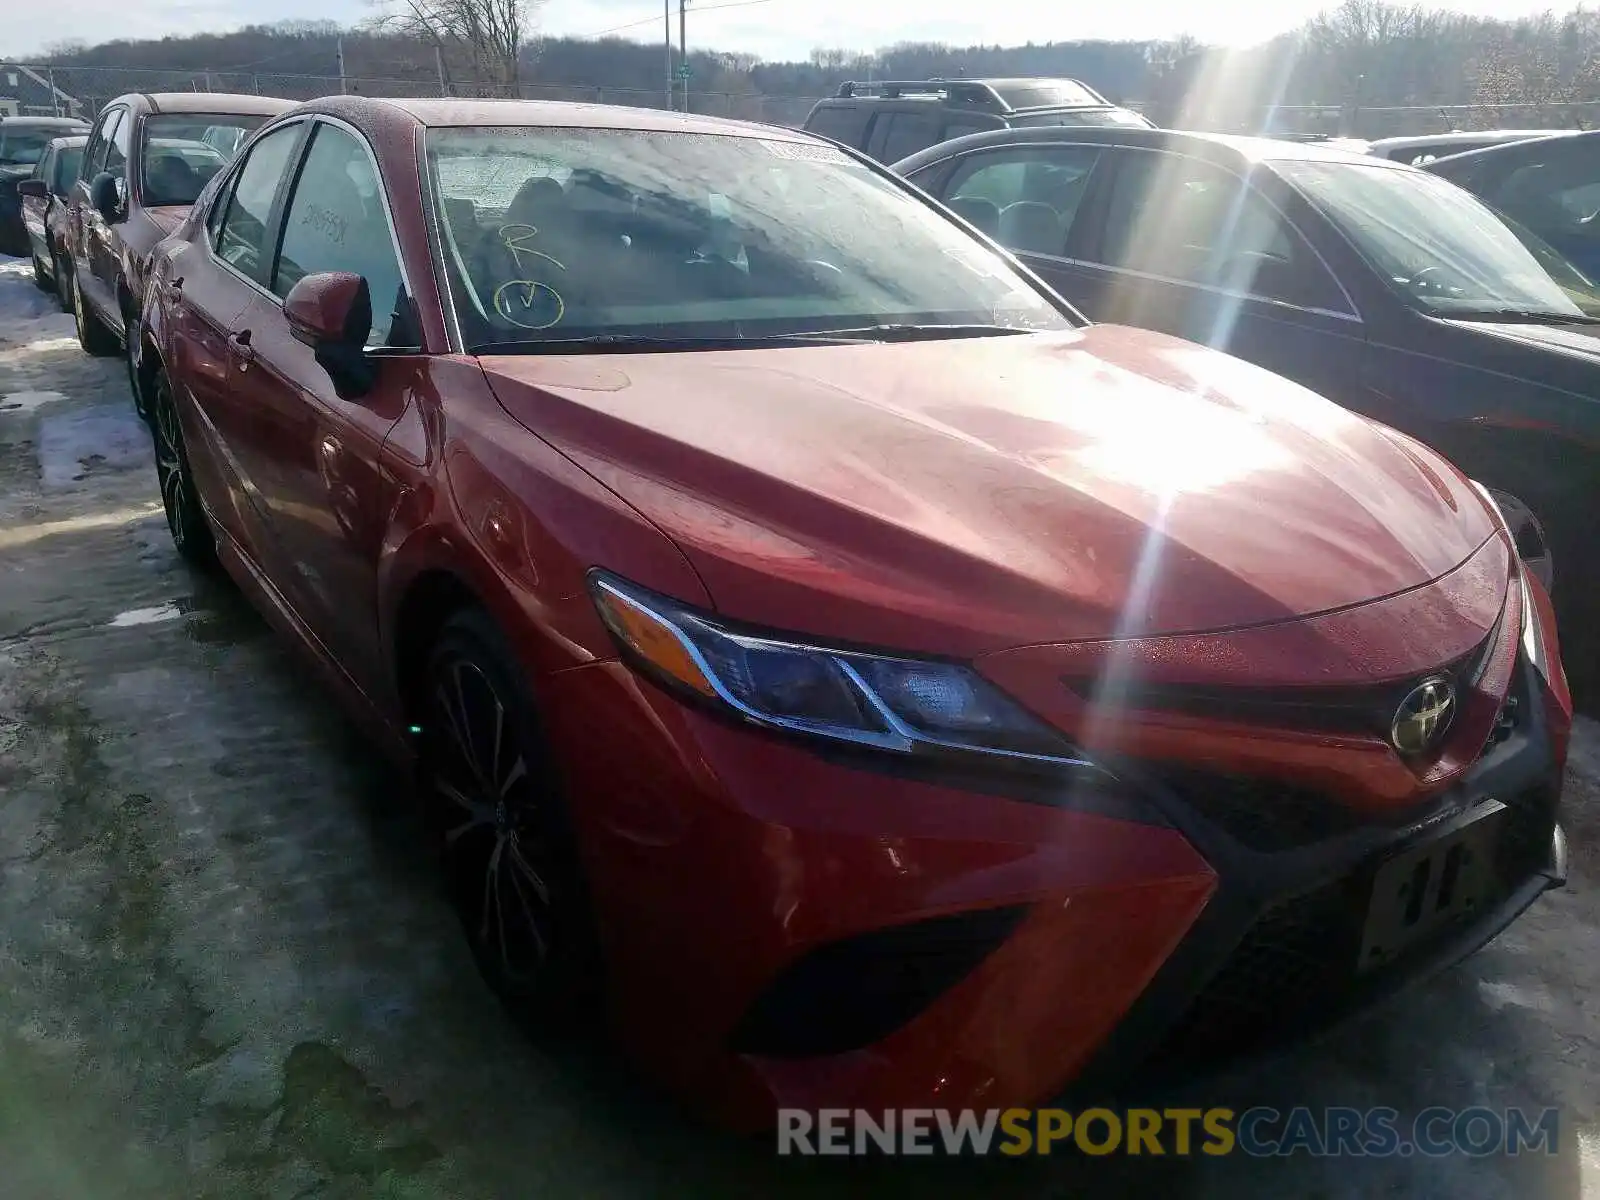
(877, 684)
(148, 158)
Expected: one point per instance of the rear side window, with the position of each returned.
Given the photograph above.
(336, 222)
(242, 241)
(898, 134)
(962, 127)
(845, 123)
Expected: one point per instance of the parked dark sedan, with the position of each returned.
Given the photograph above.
(1376, 284)
(1550, 187)
(44, 210)
(22, 143)
(147, 161)
(1425, 148)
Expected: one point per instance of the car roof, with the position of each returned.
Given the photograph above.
(1226, 148)
(453, 112)
(46, 122)
(221, 103)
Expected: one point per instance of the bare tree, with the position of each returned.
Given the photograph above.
(483, 40)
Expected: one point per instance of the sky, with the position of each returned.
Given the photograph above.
(772, 29)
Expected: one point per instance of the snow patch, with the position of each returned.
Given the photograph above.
(103, 438)
(146, 616)
(25, 402)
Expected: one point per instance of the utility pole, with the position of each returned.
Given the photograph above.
(438, 63)
(55, 96)
(683, 49)
(666, 25)
(338, 49)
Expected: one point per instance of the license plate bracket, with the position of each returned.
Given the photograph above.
(1431, 885)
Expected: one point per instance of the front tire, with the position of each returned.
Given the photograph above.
(94, 335)
(496, 817)
(191, 529)
(63, 282)
(41, 280)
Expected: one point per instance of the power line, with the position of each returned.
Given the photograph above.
(651, 20)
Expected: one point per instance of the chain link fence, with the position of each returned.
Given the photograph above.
(87, 89)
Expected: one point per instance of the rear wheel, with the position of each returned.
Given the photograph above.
(496, 817)
(63, 282)
(94, 335)
(41, 279)
(191, 530)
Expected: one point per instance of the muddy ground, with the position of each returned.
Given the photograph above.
(225, 971)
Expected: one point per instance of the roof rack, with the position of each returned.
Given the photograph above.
(966, 90)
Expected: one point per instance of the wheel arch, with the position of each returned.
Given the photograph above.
(426, 602)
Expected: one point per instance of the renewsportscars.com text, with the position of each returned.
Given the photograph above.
(1259, 1132)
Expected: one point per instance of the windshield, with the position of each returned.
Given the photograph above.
(24, 147)
(1040, 93)
(570, 233)
(1098, 118)
(179, 156)
(1440, 247)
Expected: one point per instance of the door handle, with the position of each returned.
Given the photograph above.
(242, 350)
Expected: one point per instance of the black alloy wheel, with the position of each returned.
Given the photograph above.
(41, 279)
(191, 529)
(494, 812)
(63, 282)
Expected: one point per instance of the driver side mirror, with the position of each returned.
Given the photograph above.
(34, 188)
(105, 193)
(332, 313)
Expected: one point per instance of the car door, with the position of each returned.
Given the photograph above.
(1193, 249)
(325, 491)
(82, 212)
(103, 244)
(210, 283)
(34, 208)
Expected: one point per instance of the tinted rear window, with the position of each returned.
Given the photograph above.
(845, 123)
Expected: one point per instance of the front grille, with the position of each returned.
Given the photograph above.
(1261, 814)
(1363, 710)
(1297, 962)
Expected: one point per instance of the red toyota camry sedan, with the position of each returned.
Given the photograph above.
(818, 648)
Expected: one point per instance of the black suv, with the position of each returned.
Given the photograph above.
(892, 119)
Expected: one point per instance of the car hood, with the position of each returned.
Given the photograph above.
(968, 494)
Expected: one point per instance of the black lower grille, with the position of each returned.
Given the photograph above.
(1297, 962)
(851, 993)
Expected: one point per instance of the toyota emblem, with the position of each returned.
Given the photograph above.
(1423, 716)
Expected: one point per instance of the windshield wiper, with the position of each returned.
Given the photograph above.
(622, 342)
(1517, 316)
(912, 333)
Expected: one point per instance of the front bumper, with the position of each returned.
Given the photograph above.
(783, 929)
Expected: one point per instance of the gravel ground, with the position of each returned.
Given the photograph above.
(224, 970)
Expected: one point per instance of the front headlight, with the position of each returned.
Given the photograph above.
(900, 705)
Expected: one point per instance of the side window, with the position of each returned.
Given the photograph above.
(898, 134)
(962, 126)
(1557, 197)
(1182, 219)
(94, 158)
(845, 123)
(1025, 197)
(121, 137)
(336, 222)
(45, 168)
(243, 239)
